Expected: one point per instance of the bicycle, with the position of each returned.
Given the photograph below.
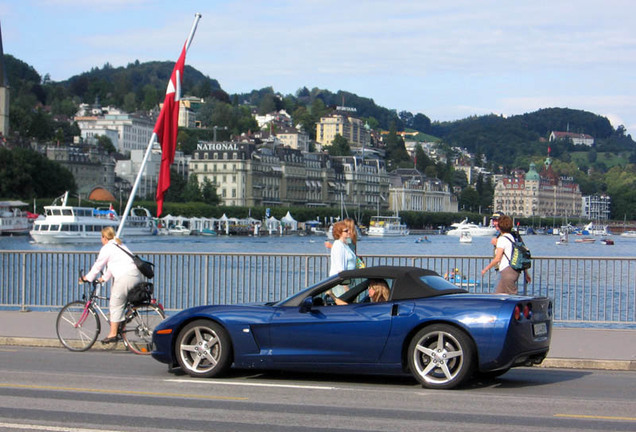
(78, 324)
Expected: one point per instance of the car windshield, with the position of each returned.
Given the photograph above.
(302, 292)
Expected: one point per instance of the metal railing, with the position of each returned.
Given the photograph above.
(584, 290)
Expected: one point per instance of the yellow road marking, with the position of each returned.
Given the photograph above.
(129, 392)
(583, 416)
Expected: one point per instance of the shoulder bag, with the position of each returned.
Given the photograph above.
(145, 267)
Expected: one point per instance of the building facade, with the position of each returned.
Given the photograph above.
(534, 194)
(294, 138)
(91, 169)
(576, 138)
(268, 175)
(344, 124)
(127, 131)
(412, 191)
(596, 207)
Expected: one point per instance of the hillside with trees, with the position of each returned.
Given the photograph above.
(41, 109)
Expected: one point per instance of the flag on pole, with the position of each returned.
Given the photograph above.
(166, 128)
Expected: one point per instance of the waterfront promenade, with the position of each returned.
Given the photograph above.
(580, 348)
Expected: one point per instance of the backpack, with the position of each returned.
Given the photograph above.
(521, 258)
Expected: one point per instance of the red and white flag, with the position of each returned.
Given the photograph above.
(166, 128)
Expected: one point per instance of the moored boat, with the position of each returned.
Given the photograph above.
(179, 230)
(595, 230)
(474, 229)
(12, 219)
(387, 226)
(70, 224)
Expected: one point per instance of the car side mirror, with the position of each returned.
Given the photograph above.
(306, 305)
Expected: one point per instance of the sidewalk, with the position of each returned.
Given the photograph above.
(579, 348)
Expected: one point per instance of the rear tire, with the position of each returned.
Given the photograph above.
(441, 356)
(77, 327)
(138, 326)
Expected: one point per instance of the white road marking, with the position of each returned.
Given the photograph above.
(235, 383)
(15, 426)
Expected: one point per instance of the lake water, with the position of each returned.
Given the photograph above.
(540, 245)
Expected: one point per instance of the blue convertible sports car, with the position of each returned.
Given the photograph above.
(430, 328)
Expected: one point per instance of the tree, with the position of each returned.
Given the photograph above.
(422, 161)
(396, 154)
(177, 187)
(421, 123)
(469, 199)
(269, 103)
(208, 192)
(105, 143)
(28, 174)
(192, 191)
(339, 146)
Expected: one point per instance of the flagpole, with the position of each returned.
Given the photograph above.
(153, 139)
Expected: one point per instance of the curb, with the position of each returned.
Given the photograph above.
(616, 365)
(53, 343)
(548, 363)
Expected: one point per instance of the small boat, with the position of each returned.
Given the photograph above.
(466, 237)
(387, 226)
(422, 240)
(629, 234)
(208, 232)
(585, 240)
(564, 239)
(607, 241)
(460, 280)
(12, 219)
(179, 230)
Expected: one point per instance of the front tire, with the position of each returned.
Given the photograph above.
(441, 356)
(77, 327)
(203, 349)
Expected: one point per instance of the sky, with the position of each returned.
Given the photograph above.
(448, 59)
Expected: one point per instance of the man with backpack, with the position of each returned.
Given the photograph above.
(507, 253)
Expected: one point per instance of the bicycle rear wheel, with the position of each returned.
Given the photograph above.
(138, 327)
(77, 327)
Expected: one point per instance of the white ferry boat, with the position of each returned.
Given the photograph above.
(473, 229)
(66, 224)
(387, 226)
(12, 219)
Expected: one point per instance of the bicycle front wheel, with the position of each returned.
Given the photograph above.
(77, 326)
(138, 327)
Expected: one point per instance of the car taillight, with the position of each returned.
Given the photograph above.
(527, 311)
(522, 311)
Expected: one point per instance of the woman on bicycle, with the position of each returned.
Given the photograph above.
(120, 266)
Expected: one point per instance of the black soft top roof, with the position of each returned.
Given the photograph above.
(407, 281)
